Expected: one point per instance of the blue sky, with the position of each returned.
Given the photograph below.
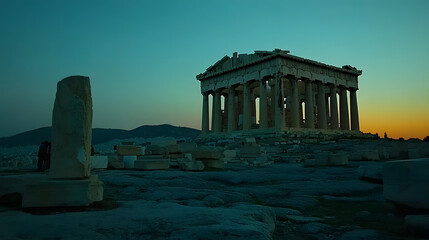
(142, 56)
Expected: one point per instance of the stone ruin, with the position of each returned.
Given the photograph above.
(69, 182)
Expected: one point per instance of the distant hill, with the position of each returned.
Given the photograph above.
(101, 135)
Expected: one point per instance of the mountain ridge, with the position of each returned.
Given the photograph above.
(101, 135)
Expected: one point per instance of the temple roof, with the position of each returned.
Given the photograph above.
(227, 63)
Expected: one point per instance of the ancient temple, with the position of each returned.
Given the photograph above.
(280, 90)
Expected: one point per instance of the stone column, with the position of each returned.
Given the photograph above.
(272, 103)
(309, 106)
(321, 107)
(344, 110)
(217, 112)
(295, 119)
(231, 110)
(247, 112)
(205, 118)
(354, 110)
(278, 103)
(225, 113)
(334, 107)
(71, 129)
(263, 121)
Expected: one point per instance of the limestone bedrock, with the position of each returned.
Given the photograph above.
(71, 129)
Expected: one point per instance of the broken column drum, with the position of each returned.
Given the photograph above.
(291, 80)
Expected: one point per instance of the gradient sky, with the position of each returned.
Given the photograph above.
(142, 56)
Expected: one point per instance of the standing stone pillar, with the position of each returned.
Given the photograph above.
(321, 107)
(71, 129)
(231, 110)
(247, 113)
(309, 106)
(217, 112)
(334, 107)
(327, 109)
(205, 117)
(70, 183)
(279, 103)
(263, 121)
(354, 110)
(344, 110)
(295, 119)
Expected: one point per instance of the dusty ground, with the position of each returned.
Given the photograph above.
(281, 201)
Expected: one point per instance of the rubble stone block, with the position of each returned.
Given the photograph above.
(152, 164)
(128, 150)
(338, 159)
(213, 164)
(406, 182)
(99, 162)
(207, 153)
(191, 165)
(187, 147)
(129, 161)
(68, 193)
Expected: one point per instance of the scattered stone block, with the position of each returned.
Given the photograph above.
(63, 193)
(370, 155)
(207, 153)
(129, 161)
(152, 164)
(213, 164)
(99, 162)
(406, 182)
(187, 165)
(114, 161)
(187, 147)
(156, 150)
(129, 150)
(371, 173)
(418, 224)
(338, 159)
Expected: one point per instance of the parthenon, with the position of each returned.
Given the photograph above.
(292, 93)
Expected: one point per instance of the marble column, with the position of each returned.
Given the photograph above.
(217, 113)
(232, 123)
(294, 110)
(344, 110)
(225, 113)
(205, 118)
(354, 110)
(272, 104)
(263, 121)
(278, 103)
(309, 106)
(247, 111)
(321, 107)
(334, 107)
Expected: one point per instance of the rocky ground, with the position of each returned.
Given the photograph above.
(280, 201)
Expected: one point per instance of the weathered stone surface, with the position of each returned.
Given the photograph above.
(338, 159)
(187, 165)
(187, 147)
(213, 164)
(56, 193)
(418, 223)
(115, 161)
(207, 153)
(129, 150)
(152, 164)
(371, 173)
(129, 161)
(99, 162)
(71, 129)
(406, 182)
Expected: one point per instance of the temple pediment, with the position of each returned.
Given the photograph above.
(237, 61)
